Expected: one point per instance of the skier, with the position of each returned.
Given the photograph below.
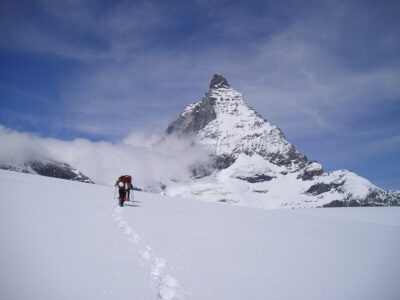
(124, 184)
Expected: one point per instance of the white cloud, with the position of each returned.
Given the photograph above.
(18, 147)
(284, 70)
(150, 158)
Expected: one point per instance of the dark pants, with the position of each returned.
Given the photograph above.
(122, 194)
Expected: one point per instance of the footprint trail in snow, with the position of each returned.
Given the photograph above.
(167, 284)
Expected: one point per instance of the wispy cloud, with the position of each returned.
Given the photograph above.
(284, 71)
(150, 158)
(18, 147)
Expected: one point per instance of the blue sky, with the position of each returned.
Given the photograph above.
(326, 72)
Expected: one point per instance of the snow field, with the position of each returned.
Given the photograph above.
(167, 284)
(220, 251)
(58, 241)
(68, 240)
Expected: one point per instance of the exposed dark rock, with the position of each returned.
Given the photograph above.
(229, 201)
(309, 174)
(380, 197)
(11, 168)
(393, 197)
(219, 81)
(202, 114)
(222, 161)
(58, 170)
(199, 171)
(343, 203)
(260, 191)
(50, 168)
(351, 203)
(320, 188)
(374, 198)
(257, 178)
(292, 157)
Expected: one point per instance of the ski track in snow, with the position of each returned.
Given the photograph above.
(167, 284)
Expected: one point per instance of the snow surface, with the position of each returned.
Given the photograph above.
(284, 190)
(237, 128)
(69, 240)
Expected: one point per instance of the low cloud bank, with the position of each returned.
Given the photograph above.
(150, 158)
(17, 147)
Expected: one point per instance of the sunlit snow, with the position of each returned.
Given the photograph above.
(69, 240)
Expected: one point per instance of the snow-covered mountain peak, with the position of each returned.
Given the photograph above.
(224, 123)
(219, 81)
(253, 164)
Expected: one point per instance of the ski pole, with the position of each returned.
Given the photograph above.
(115, 192)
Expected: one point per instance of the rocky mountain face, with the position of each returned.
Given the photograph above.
(50, 168)
(224, 122)
(253, 164)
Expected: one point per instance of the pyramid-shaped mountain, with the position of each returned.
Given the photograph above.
(253, 164)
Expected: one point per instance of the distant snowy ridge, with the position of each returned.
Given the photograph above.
(49, 168)
(253, 164)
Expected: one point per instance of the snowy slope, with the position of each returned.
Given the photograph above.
(253, 164)
(47, 167)
(255, 182)
(68, 240)
(59, 242)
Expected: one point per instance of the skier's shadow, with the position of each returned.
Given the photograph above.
(132, 204)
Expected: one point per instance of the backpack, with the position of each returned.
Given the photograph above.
(127, 180)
